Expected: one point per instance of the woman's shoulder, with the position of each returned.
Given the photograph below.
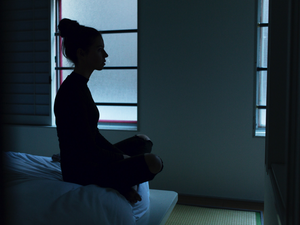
(71, 92)
(73, 83)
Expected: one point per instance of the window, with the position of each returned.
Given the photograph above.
(114, 89)
(261, 73)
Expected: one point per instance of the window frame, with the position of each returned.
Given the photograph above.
(259, 131)
(102, 124)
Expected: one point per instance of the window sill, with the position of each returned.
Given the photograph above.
(260, 132)
(118, 126)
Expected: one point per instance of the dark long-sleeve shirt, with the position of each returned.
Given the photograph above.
(82, 147)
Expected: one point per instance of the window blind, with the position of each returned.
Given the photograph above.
(26, 58)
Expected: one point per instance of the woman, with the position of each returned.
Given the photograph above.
(86, 156)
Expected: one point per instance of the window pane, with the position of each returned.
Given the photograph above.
(117, 113)
(121, 49)
(66, 62)
(264, 16)
(113, 86)
(262, 62)
(263, 47)
(116, 86)
(261, 120)
(63, 74)
(262, 88)
(102, 15)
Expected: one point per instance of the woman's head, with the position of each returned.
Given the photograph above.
(75, 37)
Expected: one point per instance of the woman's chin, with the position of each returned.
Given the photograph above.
(99, 67)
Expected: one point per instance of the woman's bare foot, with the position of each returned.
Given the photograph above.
(132, 196)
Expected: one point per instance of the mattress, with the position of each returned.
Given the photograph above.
(36, 194)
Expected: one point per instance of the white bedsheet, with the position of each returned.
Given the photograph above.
(36, 194)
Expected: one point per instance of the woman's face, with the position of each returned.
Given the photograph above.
(96, 54)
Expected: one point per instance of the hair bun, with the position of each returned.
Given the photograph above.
(68, 27)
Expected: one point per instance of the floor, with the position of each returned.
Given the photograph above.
(214, 202)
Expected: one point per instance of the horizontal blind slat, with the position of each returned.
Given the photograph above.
(25, 89)
(26, 67)
(25, 78)
(15, 5)
(26, 46)
(26, 119)
(20, 57)
(23, 109)
(26, 99)
(26, 14)
(15, 109)
(24, 25)
(29, 35)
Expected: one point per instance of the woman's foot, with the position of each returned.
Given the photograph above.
(132, 196)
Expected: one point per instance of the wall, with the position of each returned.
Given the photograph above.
(196, 97)
(271, 216)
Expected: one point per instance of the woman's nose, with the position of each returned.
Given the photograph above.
(105, 54)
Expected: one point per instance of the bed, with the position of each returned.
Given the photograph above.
(36, 194)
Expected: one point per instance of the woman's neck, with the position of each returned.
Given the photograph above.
(83, 71)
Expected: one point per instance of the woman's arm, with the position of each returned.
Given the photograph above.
(102, 142)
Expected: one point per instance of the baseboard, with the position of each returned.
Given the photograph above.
(220, 202)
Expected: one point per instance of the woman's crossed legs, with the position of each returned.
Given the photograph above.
(140, 166)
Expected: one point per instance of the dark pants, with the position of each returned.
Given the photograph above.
(134, 146)
(124, 174)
